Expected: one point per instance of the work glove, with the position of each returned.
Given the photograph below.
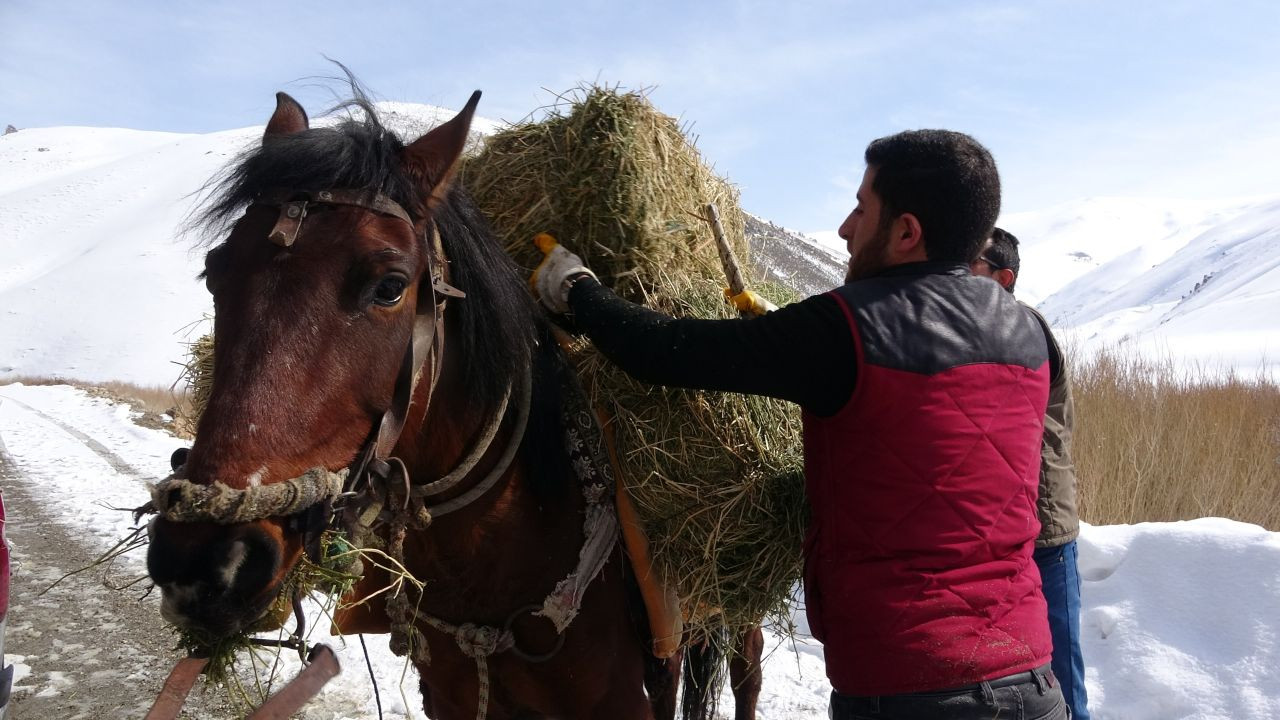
(555, 275)
(748, 302)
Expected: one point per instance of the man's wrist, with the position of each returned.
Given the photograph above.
(572, 279)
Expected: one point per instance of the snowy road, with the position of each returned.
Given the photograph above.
(86, 648)
(82, 649)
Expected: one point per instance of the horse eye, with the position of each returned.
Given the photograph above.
(389, 290)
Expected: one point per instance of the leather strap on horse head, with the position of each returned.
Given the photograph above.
(293, 206)
(427, 340)
(178, 499)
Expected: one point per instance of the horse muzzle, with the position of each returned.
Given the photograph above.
(218, 579)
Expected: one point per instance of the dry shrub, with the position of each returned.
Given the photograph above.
(1155, 443)
(716, 477)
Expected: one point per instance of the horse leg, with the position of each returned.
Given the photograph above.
(745, 674)
(662, 683)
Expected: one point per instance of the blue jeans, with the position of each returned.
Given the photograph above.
(1062, 591)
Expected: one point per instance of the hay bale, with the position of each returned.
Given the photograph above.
(716, 477)
(614, 179)
(197, 375)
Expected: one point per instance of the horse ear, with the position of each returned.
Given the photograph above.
(432, 158)
(289, 118)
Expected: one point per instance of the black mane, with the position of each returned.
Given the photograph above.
(497, 328)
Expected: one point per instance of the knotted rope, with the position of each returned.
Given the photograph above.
(180, 500)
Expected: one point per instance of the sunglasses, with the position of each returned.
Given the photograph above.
(992, 263)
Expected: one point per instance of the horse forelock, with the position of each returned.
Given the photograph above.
(356, 153)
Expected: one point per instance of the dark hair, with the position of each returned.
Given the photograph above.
(1003, 253)
(947, 180)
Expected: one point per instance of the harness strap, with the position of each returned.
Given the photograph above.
(504, 462)
(585, 443)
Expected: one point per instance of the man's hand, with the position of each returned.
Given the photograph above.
(748, 302)
(555, 275)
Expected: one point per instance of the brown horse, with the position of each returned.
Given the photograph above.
(334, 299)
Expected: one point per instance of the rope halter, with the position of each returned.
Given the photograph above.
(180, 500)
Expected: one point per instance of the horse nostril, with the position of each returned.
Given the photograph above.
(179, 458)
(218, 578)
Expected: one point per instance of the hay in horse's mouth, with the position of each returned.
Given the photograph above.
(331, 580)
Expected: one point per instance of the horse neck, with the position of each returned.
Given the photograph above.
(503, 544)
(445, 423)
(435, 442)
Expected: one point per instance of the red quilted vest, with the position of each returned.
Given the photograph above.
(923, 487)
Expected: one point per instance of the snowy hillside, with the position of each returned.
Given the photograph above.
(97, 284)
(1198, 281)
(790, 258)
(96, 281)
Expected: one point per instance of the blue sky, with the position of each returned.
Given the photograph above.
(1075, 99)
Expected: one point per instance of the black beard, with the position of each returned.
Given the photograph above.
(871, 260)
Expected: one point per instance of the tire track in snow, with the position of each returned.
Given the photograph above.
(116, 462)
(92, 651)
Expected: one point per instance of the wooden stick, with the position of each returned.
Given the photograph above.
(176, 688)
(732, 270)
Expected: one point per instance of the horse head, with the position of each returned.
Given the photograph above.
(323, 290)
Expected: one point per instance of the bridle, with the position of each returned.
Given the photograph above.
(374, 463)
(354, 498)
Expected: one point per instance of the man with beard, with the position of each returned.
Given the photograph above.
(923, 390)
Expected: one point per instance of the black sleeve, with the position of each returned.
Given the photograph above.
(803, 352)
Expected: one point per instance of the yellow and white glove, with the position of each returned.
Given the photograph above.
(749, 302)
(555, 275)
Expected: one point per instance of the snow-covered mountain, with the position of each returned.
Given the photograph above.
(97, 283)
(1199, 281)
(97, 280)
(791, 258)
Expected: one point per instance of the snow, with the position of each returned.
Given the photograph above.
(97, 278)
(97, 282)
(1197, 283)
(1179, 620)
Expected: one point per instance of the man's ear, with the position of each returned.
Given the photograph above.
(1005, 277)
(907, 239)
